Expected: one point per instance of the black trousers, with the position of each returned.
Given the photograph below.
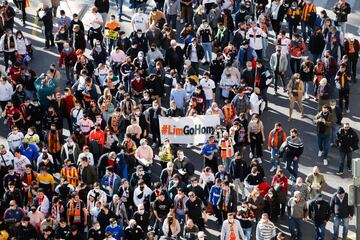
(20, 4)
(276, 25)
(255, 145)
(344, 95)
(295, 65)
(281, 76)
(49, 37)
(9, 56)
(353, 59)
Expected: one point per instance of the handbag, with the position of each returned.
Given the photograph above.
(204, 216)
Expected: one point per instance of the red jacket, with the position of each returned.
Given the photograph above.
(68, 59)
(98, 136)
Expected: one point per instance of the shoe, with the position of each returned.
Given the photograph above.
(339, 173)
(325, 162)
(276, 93)
(319, 153)
(289, 119)
(273, 169)
(302, 116)
(259, 160)
(46, 48)
(154, 145)
(181, 20)
(306, 96)
(189, 145)
(349, 169)
(347, 110)
(250, 155)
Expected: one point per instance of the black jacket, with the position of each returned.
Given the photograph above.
(232, 200)
(174, 58)
(339, 9)
(103, 6)
(25, 233)
(316, 43)
(238, 169)
(347, 139)
(339, 208)
(319, 210)
(199, 51)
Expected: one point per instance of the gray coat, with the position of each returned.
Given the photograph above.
(225, 230)
(283, 62)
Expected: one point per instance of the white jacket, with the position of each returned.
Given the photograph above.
(6, 92)
(21, 45)
(255, 35)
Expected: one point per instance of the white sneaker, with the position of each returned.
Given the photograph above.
(319, 153)
(250, 155)
(285, 165)
(189, 145)
(348, 111)
(273, 169)
(259, 160)
(325, 162)
(306, 96)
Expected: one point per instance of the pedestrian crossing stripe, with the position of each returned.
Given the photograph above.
(36, 21)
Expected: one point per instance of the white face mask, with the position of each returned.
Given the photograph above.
(142, 211)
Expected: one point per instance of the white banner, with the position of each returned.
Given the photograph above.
(185, 130)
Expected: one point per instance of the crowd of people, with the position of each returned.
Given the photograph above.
(183, 58)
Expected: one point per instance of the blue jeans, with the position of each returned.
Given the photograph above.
(226, 163)
(171, 20)
(316, 57)
(111, 44)
(275, 157)
(306, 86)
(306, 30)
(348, 156)
(337, 222)
(208, 51)
(323, 143)
(295, 227)
(292, 167)
(247, 233)
(334, 130)
(208, 103)
(320, 231)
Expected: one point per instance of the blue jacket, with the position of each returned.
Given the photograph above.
(116, 231)
(122, 167)
(31, 152)
(250, 56)
(214, 195)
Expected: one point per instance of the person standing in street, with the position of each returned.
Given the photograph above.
(231, 228)
(297, 212)
(265, 229)
(324, 121)
(342, 9)
(319, 213)
(351, 48)
(296, 91)
(275, 139)
(343, 212)
(347, 140)
(293, 149)
(315, 182)
(279, 64)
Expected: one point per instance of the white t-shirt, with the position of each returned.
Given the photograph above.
(85, 125)
(208, 87)
(20, 163)
(94, 17)
(285, 46)
(101, 74)
(140, 21)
